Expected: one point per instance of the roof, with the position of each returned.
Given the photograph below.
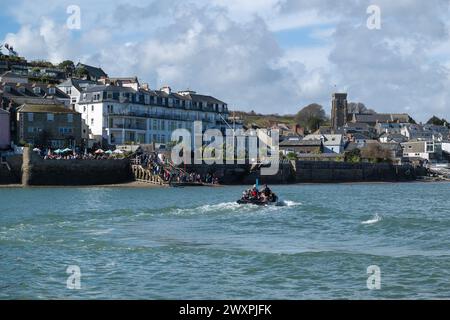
(381, 117)
(28, 90)
(361, 125)
(31, 100)
(395, 136)
(36, 108)
(300, 143)
(12, 74)
(4, 111)
(77, 83)
(93, 71)
(109, 88)
(328, 139)
(360, 136)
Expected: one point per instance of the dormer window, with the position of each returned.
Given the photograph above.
(37, 90)
(8, 88)
(52, 90)
(21, 89)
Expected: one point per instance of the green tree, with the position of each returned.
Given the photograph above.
(437, 122)
(353, 156)
(67, 66)
(82, 73)
(311, 117)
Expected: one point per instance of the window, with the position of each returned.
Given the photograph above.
(84, 108)
(92, 121)
(92, 108)
(30, 117)
(65, 130)
(74, 100)
(52, 90)
(70, 118)
(50, 117)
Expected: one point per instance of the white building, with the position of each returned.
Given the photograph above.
(427, 150)
(332, 143)
(119, 114)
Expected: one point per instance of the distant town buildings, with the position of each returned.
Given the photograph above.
(81, 106)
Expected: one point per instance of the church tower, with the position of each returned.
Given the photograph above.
(339, 110)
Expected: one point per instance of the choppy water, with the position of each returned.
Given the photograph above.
(196, 243)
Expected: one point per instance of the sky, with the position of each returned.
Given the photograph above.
(270, 56)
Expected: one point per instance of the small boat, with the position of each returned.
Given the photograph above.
(258, 202)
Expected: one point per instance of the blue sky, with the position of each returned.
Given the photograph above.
(267, 55)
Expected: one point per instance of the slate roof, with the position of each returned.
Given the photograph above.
(43, 108)
(300, 143)
(93, 71)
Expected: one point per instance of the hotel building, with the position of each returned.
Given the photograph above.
(122, 112)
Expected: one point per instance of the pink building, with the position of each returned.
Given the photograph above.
(5, 134)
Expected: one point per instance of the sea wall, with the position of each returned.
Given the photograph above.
(76, 172)
(32, 170)
(331, 171)
(312, 172)
(11, 171)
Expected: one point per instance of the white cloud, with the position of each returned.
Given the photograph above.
(229, 48)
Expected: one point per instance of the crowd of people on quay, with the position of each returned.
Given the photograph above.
(77, 154)
(159, 165)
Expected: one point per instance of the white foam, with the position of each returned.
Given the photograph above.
(375, 219)
(289, 203)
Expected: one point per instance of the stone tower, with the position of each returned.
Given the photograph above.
(339, 110)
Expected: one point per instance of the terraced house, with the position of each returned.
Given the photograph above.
(48, 125)
(125, 113)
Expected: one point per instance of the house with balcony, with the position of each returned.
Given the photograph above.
(120, 114)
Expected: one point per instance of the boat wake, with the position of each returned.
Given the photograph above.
(288, 203)
(231, 207)
(375, 219)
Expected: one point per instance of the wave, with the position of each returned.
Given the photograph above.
(376, 218)
(289, 203)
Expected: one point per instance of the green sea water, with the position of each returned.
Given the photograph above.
(197, 243)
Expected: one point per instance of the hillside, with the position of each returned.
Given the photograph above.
(263, 120)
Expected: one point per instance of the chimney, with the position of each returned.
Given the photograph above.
(166, 89)
(145, 86)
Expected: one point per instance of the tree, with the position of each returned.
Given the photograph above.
(42, 64)
(353, 156)
(82, 73)
(359, 108)
(437, 122)
(67, 66)
(412, 121)
(376, 153)
(311, 117)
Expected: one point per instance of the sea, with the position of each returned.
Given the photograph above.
(325, 241)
